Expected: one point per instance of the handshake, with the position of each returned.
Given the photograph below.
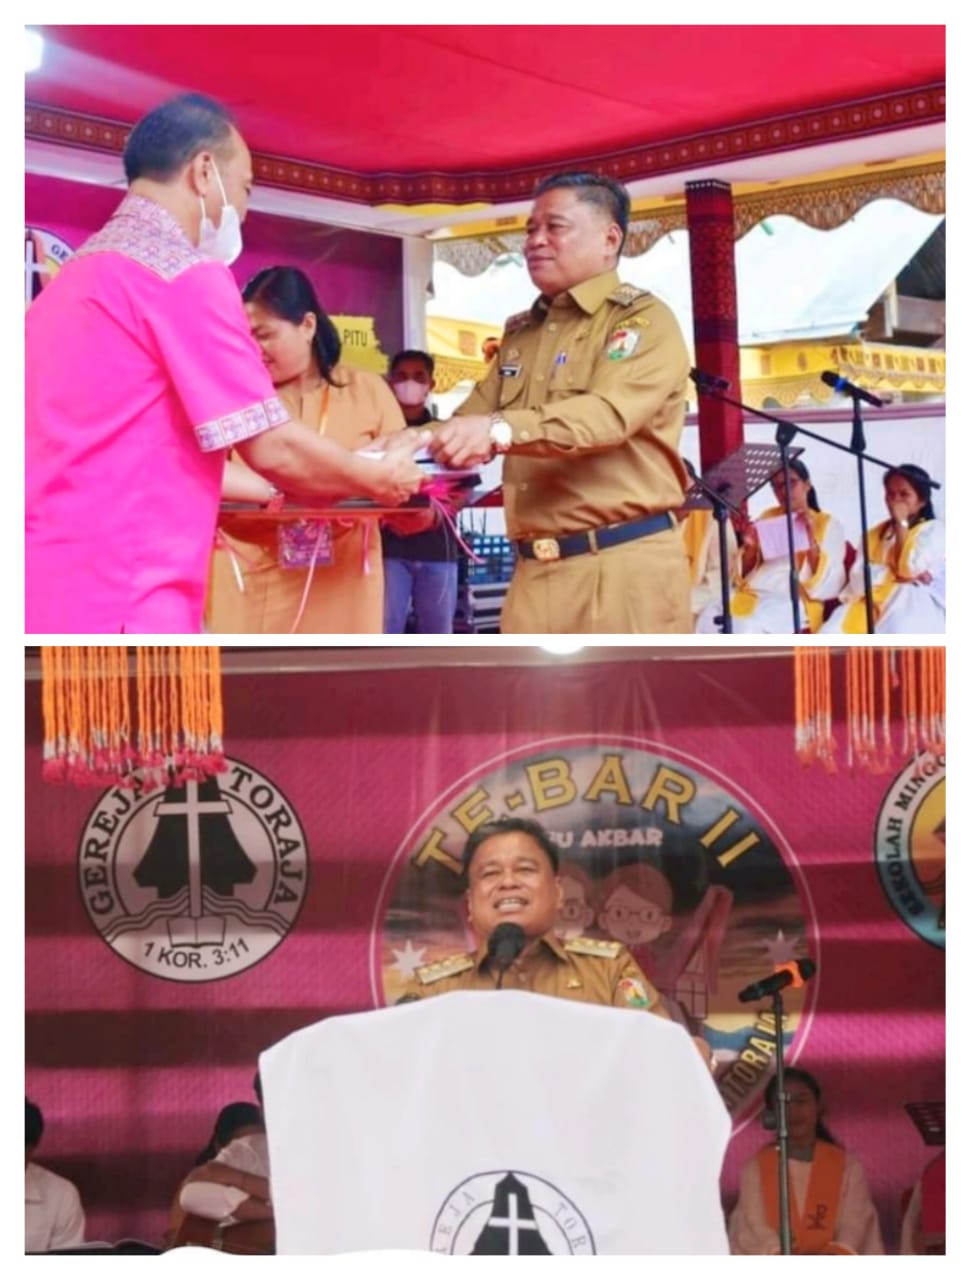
(459, 444)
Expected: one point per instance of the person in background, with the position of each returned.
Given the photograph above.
(226, 1199)
(420, 551)
(54, 1218)
(831, 1208)
(314, 576)
(761, 602)
(923, 1228)
(907, 555)
(141, 374)
(235, 1120)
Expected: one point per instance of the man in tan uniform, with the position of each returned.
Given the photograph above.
(586, 396)
(512, 866)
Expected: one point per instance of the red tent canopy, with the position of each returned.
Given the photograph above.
(472, 103)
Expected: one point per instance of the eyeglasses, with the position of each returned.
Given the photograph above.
(622, 915)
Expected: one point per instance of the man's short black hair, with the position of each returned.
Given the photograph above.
(501, 827)
(166, 139)
(425, 357)
(611, 196)
(34, 1123)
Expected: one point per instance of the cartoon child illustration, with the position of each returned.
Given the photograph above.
(575, 913)
(635, 905)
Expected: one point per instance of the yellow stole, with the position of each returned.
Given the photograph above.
(745, 597)
(694, 532)
(813, 1228)
(888, 553)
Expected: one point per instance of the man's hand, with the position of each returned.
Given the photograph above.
(463, 442)
(393, 478)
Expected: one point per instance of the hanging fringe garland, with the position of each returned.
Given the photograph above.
(882, 685)
(89, 735)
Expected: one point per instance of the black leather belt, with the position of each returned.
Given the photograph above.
(611, 535)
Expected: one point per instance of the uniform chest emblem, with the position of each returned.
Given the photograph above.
(634, 993)
(622, 343)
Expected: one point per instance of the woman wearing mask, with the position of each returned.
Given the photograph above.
(761, 601)
(907, 556)
(317, 576)
(831, 1209)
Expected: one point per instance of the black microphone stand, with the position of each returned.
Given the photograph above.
(781, 1123)
(858, 446)
(783, 437)
(720, 507)
(708, 386)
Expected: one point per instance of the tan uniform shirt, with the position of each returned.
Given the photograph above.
(582, 969)
(593, 384)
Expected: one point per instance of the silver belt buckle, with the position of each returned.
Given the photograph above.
(546, 549)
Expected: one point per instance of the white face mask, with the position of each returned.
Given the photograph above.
(224, 243)
(411, 392)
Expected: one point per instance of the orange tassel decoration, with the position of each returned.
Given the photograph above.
(90, 736)
(881, 684)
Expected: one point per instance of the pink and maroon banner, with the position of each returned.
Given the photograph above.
(173, 935)
(354, 273)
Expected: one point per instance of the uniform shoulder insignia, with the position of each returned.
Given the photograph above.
(516, 322)
(593, 947)
(447, 968)
(627, 294)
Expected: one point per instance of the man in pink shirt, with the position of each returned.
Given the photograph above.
(141, 374)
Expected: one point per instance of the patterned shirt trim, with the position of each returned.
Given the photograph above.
(142, 230)
(223, 433)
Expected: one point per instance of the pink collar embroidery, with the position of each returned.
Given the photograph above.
(142, 230)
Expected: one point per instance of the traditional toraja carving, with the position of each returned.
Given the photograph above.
(449, 372)
(826, 205)
(785, 372)
(823, 204)
(850, 120)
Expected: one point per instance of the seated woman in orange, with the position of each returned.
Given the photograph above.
(323, 576)
(831, 1208)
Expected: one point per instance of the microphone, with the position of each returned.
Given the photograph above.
(793, 974)
(843, 384)
(504, 947)
(708, 381)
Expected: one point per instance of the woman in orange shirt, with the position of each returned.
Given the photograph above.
(326, 575)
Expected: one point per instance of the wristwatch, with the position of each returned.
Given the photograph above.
(500, 434)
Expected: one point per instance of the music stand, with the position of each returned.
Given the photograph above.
(930, 1120)
(728, 484)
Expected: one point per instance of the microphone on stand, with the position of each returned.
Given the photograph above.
(793, 974)
(838, 383)
(504, 947)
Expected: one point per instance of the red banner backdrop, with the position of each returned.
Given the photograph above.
(324, 870)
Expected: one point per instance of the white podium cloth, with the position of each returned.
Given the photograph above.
(494, 1122)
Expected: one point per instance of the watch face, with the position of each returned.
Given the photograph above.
(501, 433)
